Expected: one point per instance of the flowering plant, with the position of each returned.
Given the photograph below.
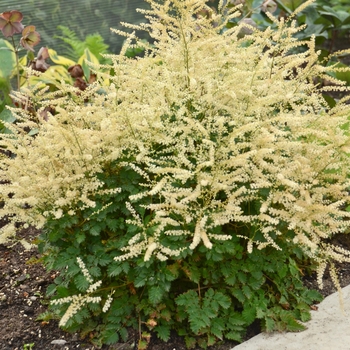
(11, 24)
(190, 188)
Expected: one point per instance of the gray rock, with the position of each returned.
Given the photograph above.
(59, 342)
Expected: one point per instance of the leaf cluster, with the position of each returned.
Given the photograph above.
(207, 296)
(328, 24)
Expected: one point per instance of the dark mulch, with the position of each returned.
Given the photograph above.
(22, 299)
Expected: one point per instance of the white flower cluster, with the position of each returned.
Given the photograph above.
(222, 134)
(108, 302)
(76, 303)
(84, 270)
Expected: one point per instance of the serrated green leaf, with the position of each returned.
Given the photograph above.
(94, 307)
(234, 336)
(155, 294)
(95, 271)
(126, 266)
(163, 332)
(80, 237)
(293, 268)
(217, 327)
(81, 315)
(194, 274)
(81, 283)
(124, 334)
(257, 274)
(282, 270)
(292, 325)
(72, 269)
(62, 291)
(236, 319)
(198, 321)
(231, 280)
(305, 316)
(223, 300)
(51, 289)
(169, 275)
(269, 324)
(247, 291)
(140, 280)
(95, 230)
(210, 293)
(190, 342)
(104, 260)
(46, 316)
(239, 295)
(114, 270)
(110, 337)
(242, 277)
(256, 284)
(260, 313)
(210, 312)
(54, 236)
(249, 314)
(113, 224)
(166, 314)
(188, 298)
(312, 295)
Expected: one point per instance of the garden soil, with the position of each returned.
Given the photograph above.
(23, 285)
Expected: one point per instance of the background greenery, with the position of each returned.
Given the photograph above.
(83, 17)
(90, 17)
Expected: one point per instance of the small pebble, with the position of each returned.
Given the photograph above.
(22, 278)
(28, 310)
(59, 342)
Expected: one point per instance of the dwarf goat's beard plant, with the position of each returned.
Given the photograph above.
(191, 188)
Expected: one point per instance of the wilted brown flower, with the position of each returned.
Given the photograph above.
(80, 83)
(39, 62)
(269, 6)
(10, 23)
(30, 38)
(76, 71)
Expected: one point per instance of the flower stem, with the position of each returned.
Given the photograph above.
(17, 62)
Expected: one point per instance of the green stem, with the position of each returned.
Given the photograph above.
(186, 54)
(17, 62)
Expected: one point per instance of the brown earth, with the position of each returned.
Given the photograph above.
(22, 299)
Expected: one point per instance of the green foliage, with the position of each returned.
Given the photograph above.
(85, 53)
(93, 42)
(28, 346)
(84, 18)
(189, 189)
(7, 59)
(330, 25)
(212, 294)
(203, 299)
(337, 5)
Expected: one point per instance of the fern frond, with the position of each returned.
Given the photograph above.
(77, 46)
(93, 42)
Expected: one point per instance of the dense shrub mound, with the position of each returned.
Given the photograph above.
(188, 189)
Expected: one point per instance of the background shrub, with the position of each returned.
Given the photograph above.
(190, 188)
